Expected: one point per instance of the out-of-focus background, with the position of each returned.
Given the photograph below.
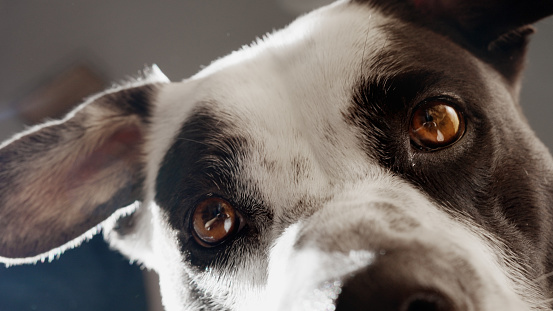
(54, 53)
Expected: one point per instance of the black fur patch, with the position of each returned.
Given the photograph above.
(487, 173)
(205, 160)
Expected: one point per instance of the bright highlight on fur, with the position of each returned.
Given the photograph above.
(370, 155)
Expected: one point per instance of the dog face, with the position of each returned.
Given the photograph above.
(371, 154)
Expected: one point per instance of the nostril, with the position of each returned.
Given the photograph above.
(422, 305)
(427, 302)
(381, 288)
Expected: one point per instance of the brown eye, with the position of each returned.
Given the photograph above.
(436, 124)
(214, 220)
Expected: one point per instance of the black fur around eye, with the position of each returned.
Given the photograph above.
(215, 221)
(436, 124)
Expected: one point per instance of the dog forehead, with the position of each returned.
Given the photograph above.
(288, 95)
(310, 69)
(296, 80)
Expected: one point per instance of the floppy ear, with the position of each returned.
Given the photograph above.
(61, 179)
(496, 30)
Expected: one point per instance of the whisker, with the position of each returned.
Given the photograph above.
(543, 277)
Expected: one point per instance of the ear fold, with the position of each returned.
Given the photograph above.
(496, 30)
(63, 178)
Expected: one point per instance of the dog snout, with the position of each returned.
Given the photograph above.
(408, 265)
(406, 255)
(391, 284)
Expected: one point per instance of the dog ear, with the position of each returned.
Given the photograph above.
(496, 30)
(62, 179)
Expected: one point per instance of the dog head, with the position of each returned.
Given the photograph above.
(372, 155)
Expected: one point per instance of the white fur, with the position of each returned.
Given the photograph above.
(282, 93)
(280, 90)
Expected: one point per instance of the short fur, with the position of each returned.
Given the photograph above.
(306, 133)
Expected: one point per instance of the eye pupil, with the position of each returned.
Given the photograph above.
(214, 221)
(428, 116)
(436, 124)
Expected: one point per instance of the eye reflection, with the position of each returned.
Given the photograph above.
(436, 124)
(214, 221)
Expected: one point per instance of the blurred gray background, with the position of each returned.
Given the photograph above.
(49, 46)
(43, 39)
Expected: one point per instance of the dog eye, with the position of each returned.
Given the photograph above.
(214, 221)
(436, 124)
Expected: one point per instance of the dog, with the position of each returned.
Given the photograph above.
(370, 156)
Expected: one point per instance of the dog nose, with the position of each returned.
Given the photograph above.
(389, 286)
(366, 293)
